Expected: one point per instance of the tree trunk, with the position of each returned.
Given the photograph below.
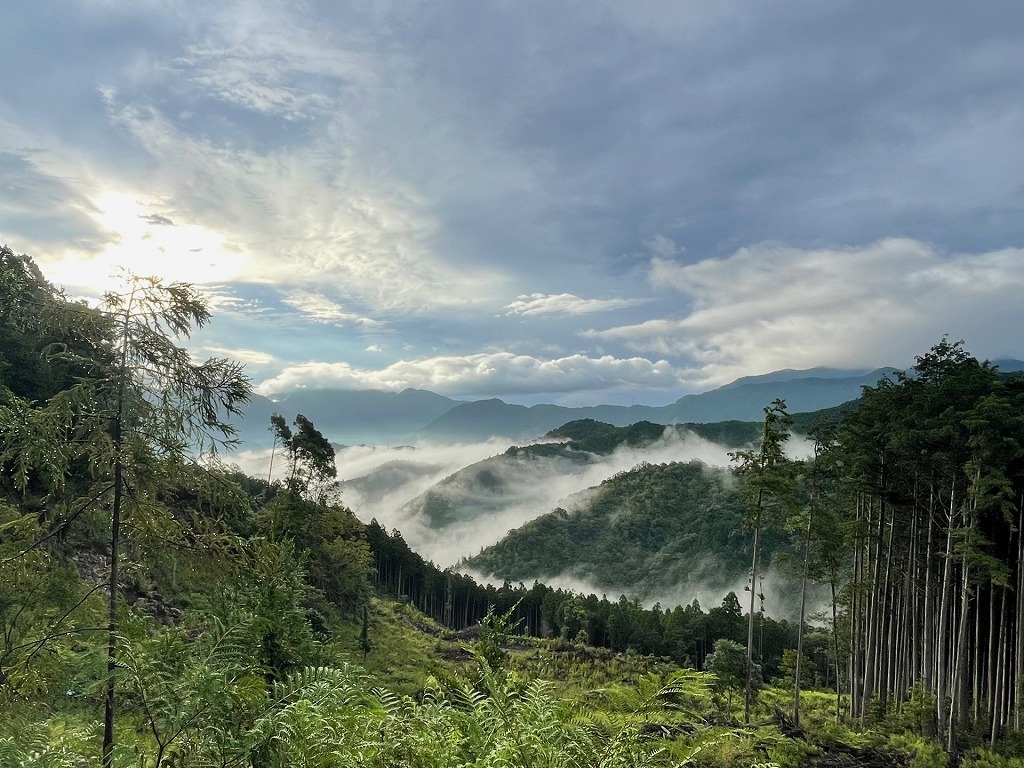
(112, 607)
(109, 699)
(748, 693)
(941, 661)
(803, 611)
(960, 664)
(998, 707)
(874, 635)
(928, 627)
(1018, 667)
(835, 647)
(856, 616)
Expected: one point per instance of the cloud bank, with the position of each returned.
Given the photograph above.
(769, 307)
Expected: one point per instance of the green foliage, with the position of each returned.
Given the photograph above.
(986, 758)
(495, 633)
(728, 664)
(767, 471)
(102, 411)
(599, 437)
(924, 752)
(195, 686)
(310, 457)
(333, 542)
(787, 669)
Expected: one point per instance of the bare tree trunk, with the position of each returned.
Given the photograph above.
(999, 700)
(960, 664)
(904, 642)
(1018, 667)
(992, 660)
(928, 648)
(886, 620)
(857, 615)
(803, 611)
(974, 663)
(874, 613)
(941, 667)
(835, 647)
(748, 693)
(910, 585)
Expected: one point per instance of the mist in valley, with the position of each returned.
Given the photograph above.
(528, 488)
(389, 483)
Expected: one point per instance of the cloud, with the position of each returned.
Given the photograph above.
(186, 252)
(40, 205)
(322, 309)
(304, 215)
(565, 304)
(490, 373)
(347, 149)
(769, 306)
(246, 356)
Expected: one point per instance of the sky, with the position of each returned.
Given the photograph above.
(542, 201)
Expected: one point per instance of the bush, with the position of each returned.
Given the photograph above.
(985, 758)
(924, 752)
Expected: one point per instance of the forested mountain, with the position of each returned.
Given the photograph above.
(649, 531)
(741, 400)
(523, 482)
(522, 475)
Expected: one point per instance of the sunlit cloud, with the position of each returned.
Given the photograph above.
(183, 252)
(485, 373)
(322, 309)
(565, 304)
(305, 215)
(246, 356)
(769, 307)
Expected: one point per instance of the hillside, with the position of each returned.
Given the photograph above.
(653, 529)
(523, 482)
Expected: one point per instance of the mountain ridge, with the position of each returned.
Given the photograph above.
(377, 416)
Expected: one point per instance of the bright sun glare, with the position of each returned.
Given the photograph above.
(147, 243)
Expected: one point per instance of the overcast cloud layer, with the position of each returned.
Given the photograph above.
(542, 201)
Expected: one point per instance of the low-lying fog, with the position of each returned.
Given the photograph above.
(380, 482)
(531, 491)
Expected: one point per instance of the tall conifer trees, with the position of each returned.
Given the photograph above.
(936, 475)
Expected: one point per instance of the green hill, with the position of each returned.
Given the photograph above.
(524, 475)
(646, 530)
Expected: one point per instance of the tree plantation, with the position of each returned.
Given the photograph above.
(159, 607)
